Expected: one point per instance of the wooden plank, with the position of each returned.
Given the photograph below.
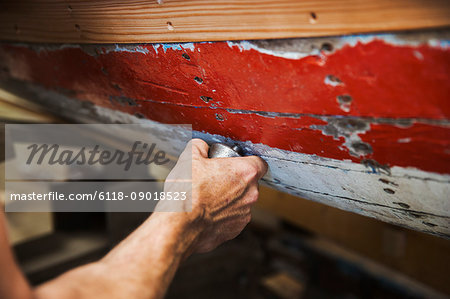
(107, 21)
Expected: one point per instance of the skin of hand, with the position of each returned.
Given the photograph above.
(143, 265)
(223, 191)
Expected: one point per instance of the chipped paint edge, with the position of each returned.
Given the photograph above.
(311, 46)
(440, 40)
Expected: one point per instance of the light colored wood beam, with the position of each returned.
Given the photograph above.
(16, 109)
(140, 21)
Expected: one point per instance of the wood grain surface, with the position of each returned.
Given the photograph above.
(108, 21)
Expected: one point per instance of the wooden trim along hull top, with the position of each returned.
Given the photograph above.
(144, 21)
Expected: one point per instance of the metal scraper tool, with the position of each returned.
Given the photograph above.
(220, 150)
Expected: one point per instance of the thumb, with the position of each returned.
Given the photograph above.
(199, 148)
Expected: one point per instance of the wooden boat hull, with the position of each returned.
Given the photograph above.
(358, 122)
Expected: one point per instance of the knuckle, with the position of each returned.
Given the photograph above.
(248, 218)
(250, 172)
(199, 148)
(253, 195)
(252, 168)
(240, 187)
(198, 141)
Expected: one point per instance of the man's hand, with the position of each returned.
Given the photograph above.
(223, 191)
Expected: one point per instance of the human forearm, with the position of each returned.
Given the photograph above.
(153, 253)
(141, 266)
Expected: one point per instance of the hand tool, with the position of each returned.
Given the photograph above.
(221, 150)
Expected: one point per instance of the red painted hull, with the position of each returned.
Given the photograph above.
(386, 103)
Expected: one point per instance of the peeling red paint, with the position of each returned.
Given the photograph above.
(384, 81)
